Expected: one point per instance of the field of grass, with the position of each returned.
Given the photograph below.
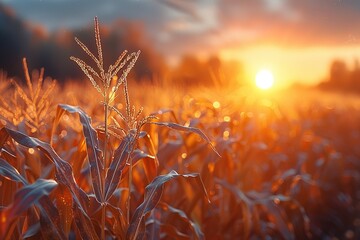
(76, 163)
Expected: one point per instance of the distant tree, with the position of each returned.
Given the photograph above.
(355, 77)
(191, 72)
(339, 74)
(342, 78)
(210, 72)
(232, 73)
(214, 66)
(53, 50)
(15, 39)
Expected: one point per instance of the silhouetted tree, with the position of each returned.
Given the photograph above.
(339, 74)
(191, 72)
(341, 78)
(355, 76)
(53, 50)
(14, 38)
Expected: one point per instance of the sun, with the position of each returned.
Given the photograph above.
(264, 79)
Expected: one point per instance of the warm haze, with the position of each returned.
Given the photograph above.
(297, 40)
(179, 119)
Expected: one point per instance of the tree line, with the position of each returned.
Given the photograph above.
(52, 50)
(343, 78)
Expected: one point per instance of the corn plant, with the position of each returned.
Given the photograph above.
(31, 107)
(285, 172)
(56, 200)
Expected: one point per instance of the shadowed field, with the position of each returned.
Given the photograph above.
(118, 159)
(289, 165)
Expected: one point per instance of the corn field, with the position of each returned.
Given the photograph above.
(111, 160)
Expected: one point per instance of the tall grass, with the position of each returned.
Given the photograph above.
(32, 105)
(62, 205)
(280, 175)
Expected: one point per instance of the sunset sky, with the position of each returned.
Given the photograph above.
(296, 39)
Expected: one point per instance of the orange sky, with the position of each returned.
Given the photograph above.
(289, 65)
(296, 39)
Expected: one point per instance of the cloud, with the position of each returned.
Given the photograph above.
(208, 25)
(70, 13)
(290, 22)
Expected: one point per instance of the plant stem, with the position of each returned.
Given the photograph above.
(105, 142)
(130, 185)
(103, 212)
(128, 123)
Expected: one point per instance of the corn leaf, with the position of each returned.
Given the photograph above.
(152, 196)
(245, 203)
(150, 163)
(175, 213)
(64, 171)
(25, 198)
(30, 195)
(32, 231)
(84, 224)
(64, 204)
(48, 211)
(179, 127)
(92, 143)
(173, 233)
(9, 172)
(121, 157)
(64, 175)
(50, 220)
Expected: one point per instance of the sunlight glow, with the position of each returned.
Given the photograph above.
(216, 105)
(264, 79)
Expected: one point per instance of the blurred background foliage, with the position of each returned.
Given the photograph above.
(52, 50)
